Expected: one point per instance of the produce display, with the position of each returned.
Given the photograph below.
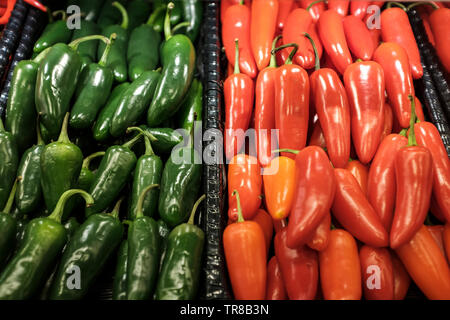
(87, 181)
(352, 178)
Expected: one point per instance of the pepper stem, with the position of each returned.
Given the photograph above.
(313, 3)
(155, 14)
(131, 142)
(107, 50)
(181, 25)
(316, 54)
(124, 14)
(88, 159)
(238, 200)
(116, 210)
(141, 199)
(236, 56)
(62, 13)
(41, 55)
(63, 136)
(145, 133)
(273, 57)
(2, 127)
(75, 43)
(403, 132)
(167, 26)
(412, 136)
(194, 209)
(59, 209)
(431, 3)
(10, 200)
(286, 150)
(291, 55)
(390, 4)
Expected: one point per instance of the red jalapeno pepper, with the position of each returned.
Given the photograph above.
(285, 7)
(358, 38)
(439, 21)
(340, 6)
(358, 8)
(314, 8)
(402, 280)
(388, 122)
(321, 236)
(275, 286)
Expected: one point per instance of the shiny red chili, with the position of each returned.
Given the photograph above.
(321, 236)
(315, 10)
(388, 122)
(360, 172)
(284, 8)
(358, 38)
(275, 286)
(359, 8)
(340, 6)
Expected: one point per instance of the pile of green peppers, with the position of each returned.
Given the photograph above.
(87, 177)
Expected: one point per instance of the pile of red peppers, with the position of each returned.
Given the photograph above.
(350, 198)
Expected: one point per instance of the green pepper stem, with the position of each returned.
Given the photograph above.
(41, 55)
(49, 15)
(148, 147)
(10, 201)
(236, 56)
(313, 3)
(88, 159)
(239, 208)
(390, 4)
(194, 209)
(431, 3)
(116, 210)
(316, 54)
(286, 150)
(332, 226)
(181, 25)
(107, 50)
(124, 14)
(155, 14)
(141, 199)
(241, 2)
(63, 136)
(412, 136)
(273, 57)
(75, 43)
(2, 127)
(167, 26)
(291, 55)
(62, 13)
(145, 133)
(59, 209)
(403, 132)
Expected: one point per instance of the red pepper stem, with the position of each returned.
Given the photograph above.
(286, 150)
(316, 54)
(124, 14)
(59, 209)
(390, 4)
(412, 136)
(239, 208)
(107, 50)
(194, 209)
(273, 57)
(291, 55)
(115, 211)
(236, 56)
(313, 3)
(141, 199)
(88, 159)
(63, 136)
(12, 194)
(419, 3)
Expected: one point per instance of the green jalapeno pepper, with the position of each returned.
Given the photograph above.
(143, 253)
(147, 172)
(138, 11)
(89, 8)
(180, 272)
(166, 138)
(87, 50)
(103, 124)
(88, 250)
(43, 241)
(55, 83)
(119, 291)
(192, 12)
(9, 160)
(54, 32)
(164, 231)
(86, 175)
(143, 47)
(117, 58)
(178, 63)
(29, 191)
(95, 79)
(60, 167)
(192, 105)
(8, 229)
(134, 102)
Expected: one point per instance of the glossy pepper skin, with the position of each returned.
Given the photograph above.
(239, 95)
(275, 287)
(148, 171)
(438, 21)
(381, 184)
(360, 172)
(43, 241)
(167, 139)
(331, 103)
(332, 35)
(245, 254)
(299, 268)
(61, 163)
(265, 221)
(428, 136)
(314, 9)
(94, 80)
(119, 291)
(262, 30)
(87, 50)
(8, 166)
(192, 12)
(143, 253)
(244, 175)
(388, 122)
(90, 247)
(191, 106)
(54, 32)
(100, 130)
(364, 84)
(354, 212)
(8, 229)
(117, 58)
(112, 175)
(178, 64)
(180, 270)
(236, 25)
(284, 8)
(402, 280)
(134, 102)
(321, 236)
(340, 270)
(224, 5)
(426, 265)
(395, 27)
(377, 273)
(358, 38)
(397, 73)
(446, 240)
(313, 196)
(437, 232)
(340, 6)
(143, 47)
(20, 109)
(358, 8)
